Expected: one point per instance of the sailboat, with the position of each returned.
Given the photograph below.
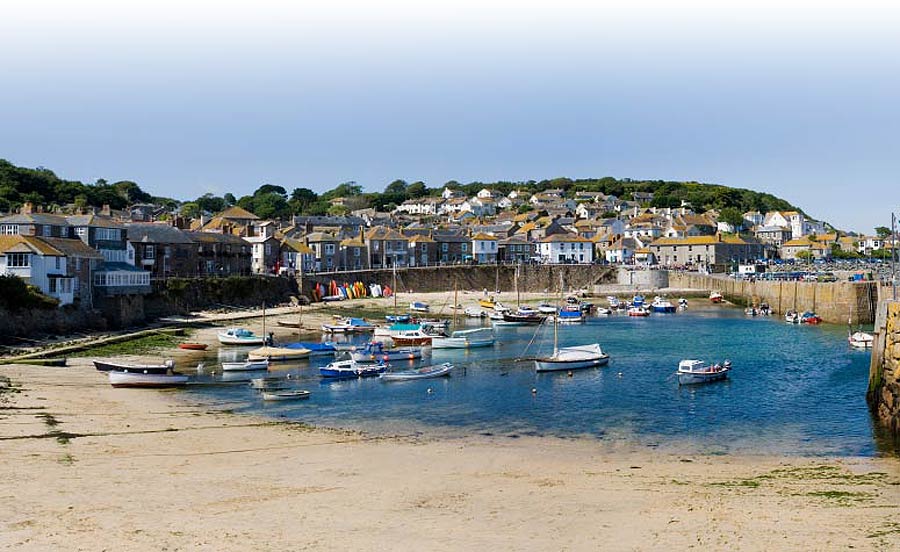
(570, 358)
(463, 339)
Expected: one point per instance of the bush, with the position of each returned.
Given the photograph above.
(16, 295)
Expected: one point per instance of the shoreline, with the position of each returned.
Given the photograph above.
(79, 453)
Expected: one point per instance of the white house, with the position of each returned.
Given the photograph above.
(565, 248)
(484, 248)
(450, 194)
(422, 206)
(38, 263)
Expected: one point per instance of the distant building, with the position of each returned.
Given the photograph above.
(706, 250)
(565, 248)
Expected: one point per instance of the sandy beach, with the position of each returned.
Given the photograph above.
(88, 467)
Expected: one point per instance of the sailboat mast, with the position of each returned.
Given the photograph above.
(264, 321)
(518, 301)
(395, 288)
(556, 318)
(455, 301)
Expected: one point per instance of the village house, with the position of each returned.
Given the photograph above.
(452, 248)
(354, 253)
(296, 257)
(773, 235)
(264, 249)
(221, 254)
(565, 248)
(621, 250)
(706, 250)
(515, 250)
(423, 251)
(484, 248)
(805, 247)
(163, 250)
(326, 249)
(423, 206)
(387, 247)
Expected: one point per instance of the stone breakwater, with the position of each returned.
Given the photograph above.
(835, 302)
(884, 372)
(532, 278)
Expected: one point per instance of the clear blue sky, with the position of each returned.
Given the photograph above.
(191, 97)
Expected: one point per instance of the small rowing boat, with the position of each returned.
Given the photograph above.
(193, 346)
(425, 372)
(274, 354)
(113, 366)
(137, 379)
(245, 366)
(289, 395)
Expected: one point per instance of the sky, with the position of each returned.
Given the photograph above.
(800, 99)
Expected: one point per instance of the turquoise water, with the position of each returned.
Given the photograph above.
(793, 389)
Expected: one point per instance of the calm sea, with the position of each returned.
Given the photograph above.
(792, 390)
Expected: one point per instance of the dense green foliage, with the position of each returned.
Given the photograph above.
(42, 186)
(16, 295)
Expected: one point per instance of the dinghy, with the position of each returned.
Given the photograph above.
(289, 395)
(425, 372)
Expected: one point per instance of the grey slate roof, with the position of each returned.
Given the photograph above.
(156, 233)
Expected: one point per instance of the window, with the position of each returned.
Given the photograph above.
(329, 250)
(77, 264)
(52, 285)
(424, 247)
(445, 247)
(465, 247)
(268, 249)
(48, 230)
(108, 234)
(356, 252)
(81, 232)
(149, 252)
(18, 260)
(493, 245)
(58, 262)
(9, 229)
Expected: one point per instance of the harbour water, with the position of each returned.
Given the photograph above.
(793, 389)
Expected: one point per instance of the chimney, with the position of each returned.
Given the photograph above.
(27, 208)
(105, 210)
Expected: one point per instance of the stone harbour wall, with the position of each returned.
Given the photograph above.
(835, 302)
(532, 278)
(884, 372)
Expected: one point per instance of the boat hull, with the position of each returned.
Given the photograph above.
(427, 372)
(459, 343)
(249, 366)
(424, 340)
(685, 378)
(273, 354)
(106, 366)
(549, 365)
(284, 395)
(193, 346)
(132, 379)
(386, 356)
(242, 341)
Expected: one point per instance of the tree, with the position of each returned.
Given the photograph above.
(229, 199)
(271, 205)
(338, 210)
(882, 231)
(804, 255)
(270, 189)
(397, 187)
(731, 216)
(346, 189)
(417, 189)
(190, 209)
(301, 199)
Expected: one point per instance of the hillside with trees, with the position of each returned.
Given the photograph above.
(42, 187)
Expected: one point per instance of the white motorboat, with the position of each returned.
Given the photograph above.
(245, 366)
(239, 336)
(571, 358)
(638, 311)
(465, 339)
(375, 351)
(140, 379)
(425, 372)
(697, 371)
(861, 340)
(475, 312)
(603, 311)
(418, 306)
(349, 325)
(546, 308)
(613, 301)
(286, 395)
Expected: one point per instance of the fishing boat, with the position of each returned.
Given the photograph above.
(245, 366)
(525, 310)
(286, 395)
(188, 346)
(349, 325)
(275, 354)
(240, 336)
(425, 372)
(861, 340)
(571, 358)
(113, 366)
(395, 329)
(682, 304)
(375, 351)
(637, 301)
(810, 318)
(661, 304)
(638, 311)
(412, 337)
(418, 306)
(570, 316)
(792, 317)
(716, 297)
(474, 312)
(465, 339)
(489, 303)
(546, 308)
(145, 379)
(603, 311)
(613, 301)
(696, 371)
(349, 368)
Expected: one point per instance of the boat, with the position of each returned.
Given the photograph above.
(395, 329)
(637, 301)
(397, 318)
(716, 297)
(418, 306)
(638, 311)
(696, 371)
(286, 395)
(495, 316)
(145, 379)
(474, 312)
(571, 358)
(275, 354)
(751, 311)
(349, 368)
(288, 323)
(375, 351)
(525, 310)
(465, 339)
(613, 301)
(570, 316)
(112, 366)
(682, 304)
(315, 348)
(792, 317)
(268, 382)
(546, 308)
(487, 303)
(187, 346)
(412, 337)
(586, 307)
(521, 318)
(425, 372)
(245, 366)
(861, 340)
(764, 309)
(603, 311)
(349, 325)
(240, 336)
(661, 304)
(810, 318)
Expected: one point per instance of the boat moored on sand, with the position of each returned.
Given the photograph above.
(240, 336)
